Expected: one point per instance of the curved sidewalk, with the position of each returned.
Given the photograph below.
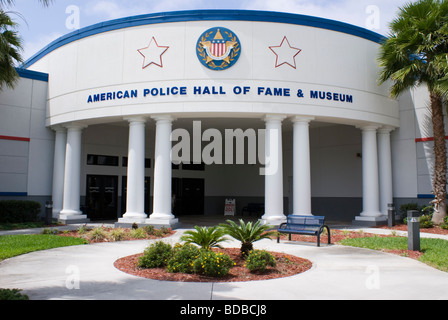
(87, 273)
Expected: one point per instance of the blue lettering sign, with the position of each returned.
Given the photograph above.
(332, 96)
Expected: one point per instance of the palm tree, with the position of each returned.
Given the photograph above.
(247, 233)
(10, 46)
(416, 53)
(11, 2)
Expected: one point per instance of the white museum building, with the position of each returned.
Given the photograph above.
(150, 118)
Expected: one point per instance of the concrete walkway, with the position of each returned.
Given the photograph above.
(87, 273)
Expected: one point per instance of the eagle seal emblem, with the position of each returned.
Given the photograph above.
(218, 48)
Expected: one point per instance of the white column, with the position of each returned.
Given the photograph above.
(301, 166)
(59, 170)
(273, 172)
(162, 214)
(370, 180)
(385, 168)
(71, 212)
(135, 194)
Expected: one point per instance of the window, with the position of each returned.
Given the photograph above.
(101, 160)
(193, 166)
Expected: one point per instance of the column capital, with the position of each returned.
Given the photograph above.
(136, 119)
(302, 119)
(368, 127)
(59, 128)
(386, 129)
(73, 126)
(163, 118)
(274, 117)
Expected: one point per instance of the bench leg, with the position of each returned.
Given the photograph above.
(318, 239)
(289, 237)
(278, 238)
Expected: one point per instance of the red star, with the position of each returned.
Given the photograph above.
(285, 53)
(152, 54)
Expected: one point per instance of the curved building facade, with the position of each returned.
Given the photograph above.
(164, 115)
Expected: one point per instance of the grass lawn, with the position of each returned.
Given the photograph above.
(14, 245)
(435, 251)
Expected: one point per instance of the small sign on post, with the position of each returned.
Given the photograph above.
(390, 215)
(413, 230)
(229, 207)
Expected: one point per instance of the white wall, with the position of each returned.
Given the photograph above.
(25, 166)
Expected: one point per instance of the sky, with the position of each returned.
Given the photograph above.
(39, 25)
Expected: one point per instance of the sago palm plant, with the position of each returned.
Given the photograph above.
(205, 237)
(247, 233)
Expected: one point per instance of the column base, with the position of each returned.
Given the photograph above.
(73, 219)
(161, 221)
(366, 221)
(129, 219)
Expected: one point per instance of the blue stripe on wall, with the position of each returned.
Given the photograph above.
(34, 75)
(13, 194)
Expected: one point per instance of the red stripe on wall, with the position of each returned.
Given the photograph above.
(427, 139)
(15, 138)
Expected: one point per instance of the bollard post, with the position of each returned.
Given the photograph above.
(49, 212)
(414, 230)
(390, 215)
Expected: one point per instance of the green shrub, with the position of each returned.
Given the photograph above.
(259, 260)
(182, 259)
(96, 234)
(444, 225)
(82, 230)
(12, 294)
(117, 234)
(149, 230)
(404, 208)
(156, 255)
(17, 211)
(138, 233)
(212, 264)
(426, 221)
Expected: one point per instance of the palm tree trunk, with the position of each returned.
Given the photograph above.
(440, 166)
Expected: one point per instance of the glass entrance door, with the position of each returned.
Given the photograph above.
(101, 197)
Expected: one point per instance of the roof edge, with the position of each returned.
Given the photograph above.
(205, 15)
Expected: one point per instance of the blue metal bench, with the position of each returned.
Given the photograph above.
(306, 225)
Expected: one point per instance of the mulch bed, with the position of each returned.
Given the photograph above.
(75, 233)
(287, 265)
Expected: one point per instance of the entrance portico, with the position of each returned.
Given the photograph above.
(375, 150)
